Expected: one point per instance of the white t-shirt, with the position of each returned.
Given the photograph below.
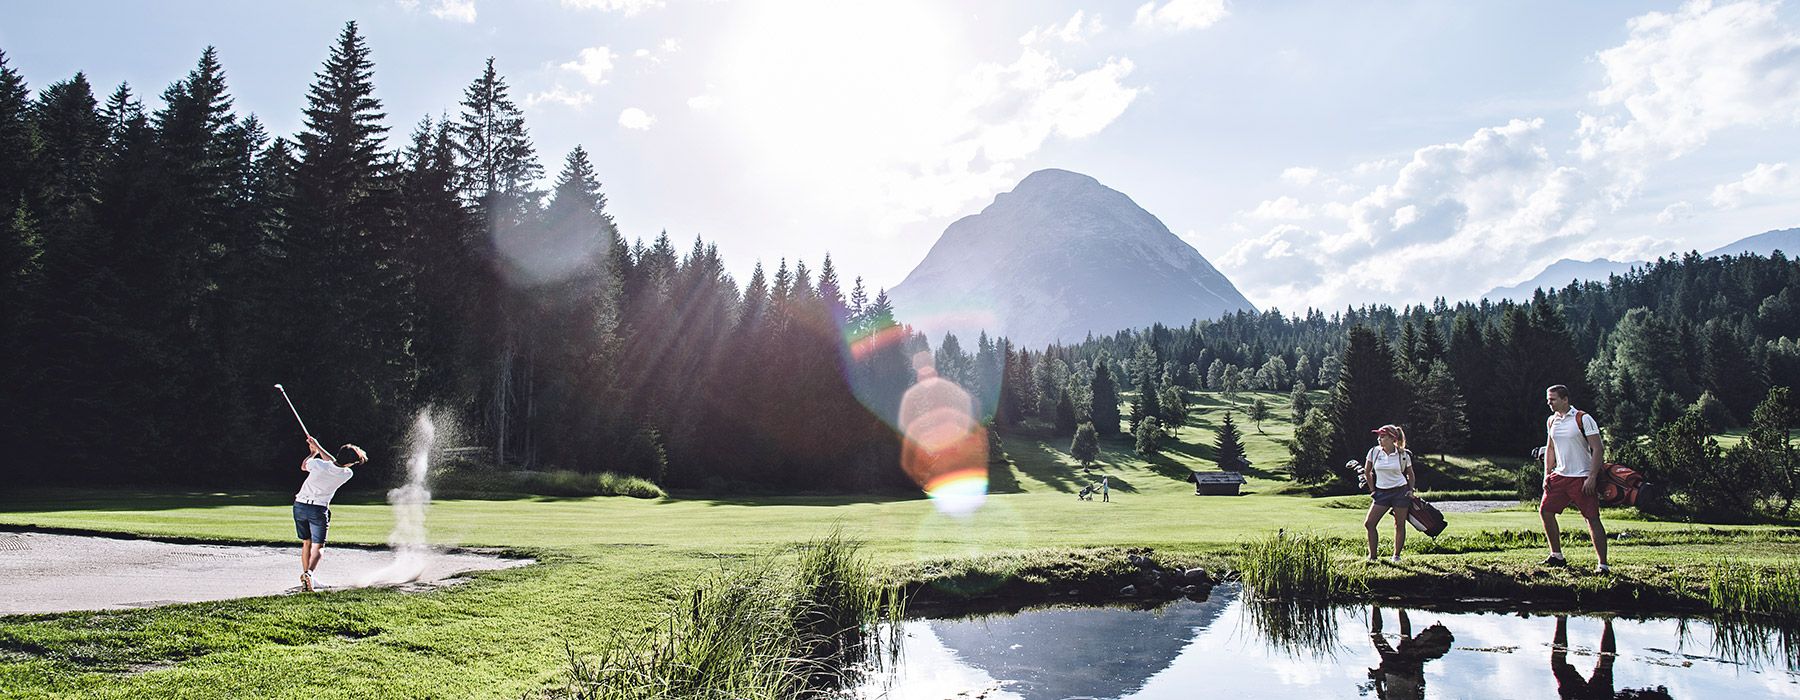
(1390, 469)
(322, 481)
(1572, 457)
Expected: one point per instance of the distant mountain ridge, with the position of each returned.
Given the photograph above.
(1560, 273)
(1058, 257)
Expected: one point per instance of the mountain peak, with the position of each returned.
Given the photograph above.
(1059, 256)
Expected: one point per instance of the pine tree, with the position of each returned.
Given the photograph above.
(1086, 446)
(1772, 425)
(1366, 394)
(1148, 436)
(1105, 409)
(1065, 415)
(1440, 420)
(1174, 409)
(1299, 402)
(1229, 446)
(1309, 454)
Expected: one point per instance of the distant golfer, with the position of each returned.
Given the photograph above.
(1105, 488)
(312, 506)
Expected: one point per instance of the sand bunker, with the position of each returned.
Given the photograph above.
(43, 573)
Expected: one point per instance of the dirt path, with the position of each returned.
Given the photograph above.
(42, 573)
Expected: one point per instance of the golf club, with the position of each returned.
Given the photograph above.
(290, 403)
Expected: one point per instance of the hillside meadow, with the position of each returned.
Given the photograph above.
(617, 566)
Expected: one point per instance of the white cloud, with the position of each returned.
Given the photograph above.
(669, 46)
(1676, 213)
(1374, 167)
(1765, 180)
(1300, 176)
(1075, 31)
(1178, 15)
(703, 103)
(455, 10)
(1435, 228)
(634, 118)
(559, 95)
(1683, 76)
(593, 64)
(1281, 209)
(628, 7)
(641, 53)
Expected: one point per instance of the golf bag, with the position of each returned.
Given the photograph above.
(1621, 486)
(1087, 492)
(1425, 517)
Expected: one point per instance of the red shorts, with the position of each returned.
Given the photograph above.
(1563, 491)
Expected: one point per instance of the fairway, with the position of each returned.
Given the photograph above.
(615, 565)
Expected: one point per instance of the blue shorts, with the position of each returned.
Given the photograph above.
(1397, 497)
(311, 521)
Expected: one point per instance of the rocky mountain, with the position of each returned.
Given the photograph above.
(1058, 257)
(1560, 273)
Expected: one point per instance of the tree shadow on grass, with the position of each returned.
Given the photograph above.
(1053, 471)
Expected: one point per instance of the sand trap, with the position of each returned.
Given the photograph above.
(43, 573)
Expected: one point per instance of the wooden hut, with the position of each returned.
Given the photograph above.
(1219, 483)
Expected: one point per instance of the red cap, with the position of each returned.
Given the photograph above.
(1392, 431)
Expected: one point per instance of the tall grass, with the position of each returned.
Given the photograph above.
(1294, 566)
(1735, 587)
(772, 631)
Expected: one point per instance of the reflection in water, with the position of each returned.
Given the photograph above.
(1401, 675)
(1229, 647)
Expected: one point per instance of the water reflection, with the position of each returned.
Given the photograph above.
(1230, 647)
(1401, 675)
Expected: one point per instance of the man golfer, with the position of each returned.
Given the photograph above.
(1574, 456)
(312, 505)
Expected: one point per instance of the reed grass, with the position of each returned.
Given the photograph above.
(1294, 566)
(1735, 587)
(773, 630)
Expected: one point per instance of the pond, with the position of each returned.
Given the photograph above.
(1228, 647)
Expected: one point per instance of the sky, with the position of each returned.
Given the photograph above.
(1320, 154)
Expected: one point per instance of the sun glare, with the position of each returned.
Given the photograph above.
(819, 86)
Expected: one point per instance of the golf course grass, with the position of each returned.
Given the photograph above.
(615, 566)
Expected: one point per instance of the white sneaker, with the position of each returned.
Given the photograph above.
(1396, 559)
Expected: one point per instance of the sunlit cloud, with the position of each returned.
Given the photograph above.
(455, 10)
(703, 103)
(1075, 31)
(559, 95)
(1683, 76)
(593, 64)
(1300, 176)
(1181, 15)
(1679, 212)
(1281, 208)
(627, 7)
(927, 128)
(1766, 180)
(634, 118)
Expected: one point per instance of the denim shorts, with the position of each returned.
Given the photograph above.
(311, 521)
(1397, 497)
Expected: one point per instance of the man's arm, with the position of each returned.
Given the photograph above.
(1597, 448)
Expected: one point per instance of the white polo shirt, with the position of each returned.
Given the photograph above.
(1572, 457)
(322, 481)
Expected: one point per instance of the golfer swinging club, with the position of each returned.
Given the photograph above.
(312, 505)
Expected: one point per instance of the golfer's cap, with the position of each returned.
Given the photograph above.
(1392, 431)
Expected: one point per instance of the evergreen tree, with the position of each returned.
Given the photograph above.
(1309, 454)
(1229, 446)
(1148, 435)
(1065, 415)
(1367, 394)
(1439, 420)
(1299, 402)
(1105, 408)
(1772, 425)
(1174, 409)
(1086, 446)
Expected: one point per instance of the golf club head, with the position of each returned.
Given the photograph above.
(278, 388)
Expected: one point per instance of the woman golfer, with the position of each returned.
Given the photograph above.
(1391, 485)
(312, 506)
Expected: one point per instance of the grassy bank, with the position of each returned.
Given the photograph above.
(616, 568)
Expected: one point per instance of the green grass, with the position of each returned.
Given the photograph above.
(562, 482)
(1294, 566)
(615, 569)
(782, 629)
(1734, 587)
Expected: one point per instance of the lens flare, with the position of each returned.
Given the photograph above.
(944, 449)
